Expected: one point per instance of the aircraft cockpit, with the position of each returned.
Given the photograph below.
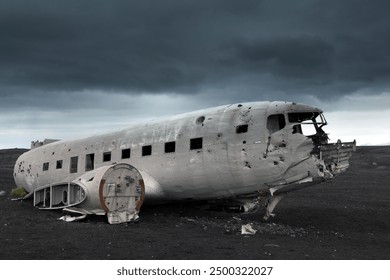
(310, 124)
(307, 123)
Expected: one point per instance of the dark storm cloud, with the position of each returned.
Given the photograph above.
(285, 57)
(332, 47)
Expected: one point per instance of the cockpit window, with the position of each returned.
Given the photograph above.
(309, 124)
(275, 123)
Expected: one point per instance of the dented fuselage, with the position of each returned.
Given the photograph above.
(236, 151)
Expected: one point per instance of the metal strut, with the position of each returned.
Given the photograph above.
(271, 204)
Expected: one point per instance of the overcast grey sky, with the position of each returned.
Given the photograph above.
(73, 68)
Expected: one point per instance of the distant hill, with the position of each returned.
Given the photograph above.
(8, 158)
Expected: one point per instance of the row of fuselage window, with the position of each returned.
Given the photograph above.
(169, 147)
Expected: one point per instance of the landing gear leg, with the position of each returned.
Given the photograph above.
(271, 204)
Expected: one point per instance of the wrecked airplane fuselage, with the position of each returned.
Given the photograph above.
(240, 152)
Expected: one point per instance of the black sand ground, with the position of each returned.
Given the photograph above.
(347, 218)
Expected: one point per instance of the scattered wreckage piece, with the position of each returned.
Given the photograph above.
(114, 190)
(248, 229)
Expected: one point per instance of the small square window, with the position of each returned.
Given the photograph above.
(275, 123)
(89, 162)
(107, 156)
(242, 128)
(196, 143)
(45, 166)
(59, 164)
(147, 150)
(125, 153)
(170, 147)
(73, 164)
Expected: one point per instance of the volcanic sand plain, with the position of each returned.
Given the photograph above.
(347, 218)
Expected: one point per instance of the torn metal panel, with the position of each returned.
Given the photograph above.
(336, 155)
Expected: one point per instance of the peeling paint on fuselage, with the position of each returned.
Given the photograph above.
(229, 164)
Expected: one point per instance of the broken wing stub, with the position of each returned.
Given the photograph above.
(117, 191)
